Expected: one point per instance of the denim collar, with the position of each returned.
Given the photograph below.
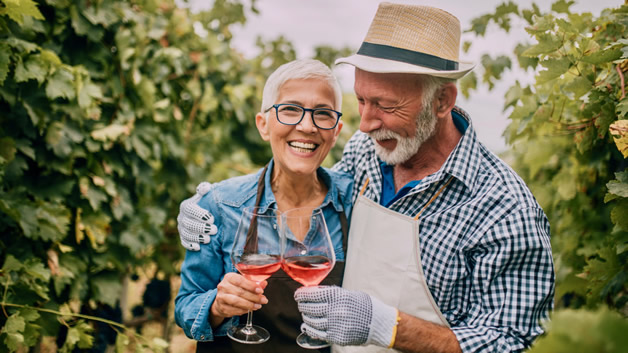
(268, 199)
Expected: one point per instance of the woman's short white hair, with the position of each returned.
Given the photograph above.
(299, 69)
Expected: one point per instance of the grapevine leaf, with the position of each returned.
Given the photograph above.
(60, 85)
(619, 187)
(15, 323)
(122, 341)
(7, 149)
(29, 314)
(21, 45)
(110, 133)
(467, 83)
(542, 25)
(619, 131)
(11, 264)
(13, 341)
(579, 86)
(28, 220)
(58, 140)
(103, 14)
(17, 9)
(622, 108)
(524, 61)
(562, 6)
(106, 288)
(618, 214)
(5, 59)
(35, 269)
(87, 93)
(565, 185)
(33, 68)
(548, 44)
(583, 331)
(602, 56)
(479, 24)
(555, 68)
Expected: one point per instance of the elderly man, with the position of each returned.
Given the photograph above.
(448, 249)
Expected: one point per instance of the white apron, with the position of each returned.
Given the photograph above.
(384, 260)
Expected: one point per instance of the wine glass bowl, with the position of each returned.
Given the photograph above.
(256, 254)
(308, 254)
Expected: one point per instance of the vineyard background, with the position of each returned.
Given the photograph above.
(112, 111)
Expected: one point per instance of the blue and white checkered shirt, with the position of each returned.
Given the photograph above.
(485, 243)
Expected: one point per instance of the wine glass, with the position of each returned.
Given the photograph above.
(308, 254)
(256, 255)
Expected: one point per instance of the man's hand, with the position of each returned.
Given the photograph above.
(194, 223)
(345, 317)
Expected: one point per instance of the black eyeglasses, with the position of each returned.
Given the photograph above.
(292, 114)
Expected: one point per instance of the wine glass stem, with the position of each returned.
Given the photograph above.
(249, 320)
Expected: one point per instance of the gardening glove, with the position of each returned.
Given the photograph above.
(195, 224)
(345, 317)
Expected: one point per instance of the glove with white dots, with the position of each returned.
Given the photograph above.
(195, 224)
(345, 317)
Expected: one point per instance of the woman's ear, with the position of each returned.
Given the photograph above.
(446, 99)
(337, 132)
(262, 126)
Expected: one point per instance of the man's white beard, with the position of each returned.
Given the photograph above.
(406, 146)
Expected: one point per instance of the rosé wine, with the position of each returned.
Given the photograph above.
(258, 267)
(307, 270)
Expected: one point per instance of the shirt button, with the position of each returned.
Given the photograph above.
(274, 226)
(202, 337)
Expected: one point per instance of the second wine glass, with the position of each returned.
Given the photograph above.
(256, 255)
(308, 254)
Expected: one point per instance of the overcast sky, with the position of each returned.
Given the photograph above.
(338, 23)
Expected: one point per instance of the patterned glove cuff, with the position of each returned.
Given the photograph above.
(383, 324)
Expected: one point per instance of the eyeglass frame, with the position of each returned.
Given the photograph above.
(305, 110)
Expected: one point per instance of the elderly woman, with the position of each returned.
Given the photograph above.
(299, 117)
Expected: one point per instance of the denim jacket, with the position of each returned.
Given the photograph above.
(203, 270)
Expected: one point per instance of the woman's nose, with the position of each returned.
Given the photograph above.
(307, 123)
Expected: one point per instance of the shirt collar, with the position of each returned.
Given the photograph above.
(463, 162)
(268, 199)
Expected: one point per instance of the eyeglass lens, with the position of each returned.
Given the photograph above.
(292, 114)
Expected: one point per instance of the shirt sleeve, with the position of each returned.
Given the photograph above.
(200, 274)
(513, 285)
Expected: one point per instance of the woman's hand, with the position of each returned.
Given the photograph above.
(236, 296)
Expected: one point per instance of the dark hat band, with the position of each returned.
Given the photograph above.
(407, 56)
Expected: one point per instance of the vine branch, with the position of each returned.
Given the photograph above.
(621, 77)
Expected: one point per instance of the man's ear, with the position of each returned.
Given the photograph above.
(262, 126)
(446, 99)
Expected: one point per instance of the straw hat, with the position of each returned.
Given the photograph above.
(411, 39)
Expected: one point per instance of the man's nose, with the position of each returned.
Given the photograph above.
(369, 119)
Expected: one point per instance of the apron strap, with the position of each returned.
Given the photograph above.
(434, 197)
(251, 236)
(344, 225)
(364, 186)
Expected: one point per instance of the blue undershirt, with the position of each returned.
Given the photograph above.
(388, 179)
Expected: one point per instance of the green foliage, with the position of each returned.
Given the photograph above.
(569, 136)
(112, 112)
(571, 330)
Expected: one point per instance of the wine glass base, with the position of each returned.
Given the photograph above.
(308, 342)
(248, 335)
